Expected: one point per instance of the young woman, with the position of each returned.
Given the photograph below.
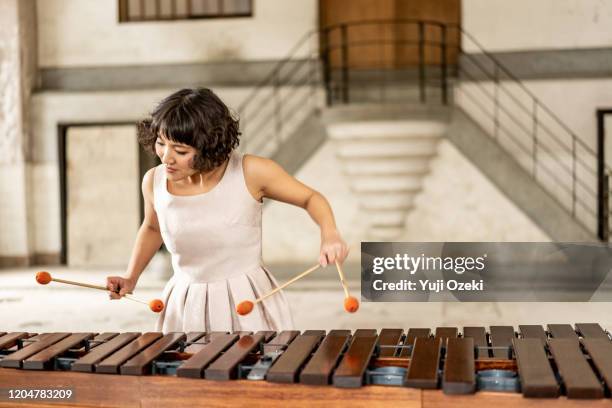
(204, 202)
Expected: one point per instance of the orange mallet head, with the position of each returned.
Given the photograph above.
(245, 307)
(351, 304)
(156, 305)
(43, 277)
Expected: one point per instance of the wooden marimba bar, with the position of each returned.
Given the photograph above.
(562, 363)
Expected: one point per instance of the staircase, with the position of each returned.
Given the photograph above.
(385, 163)
(386, 133)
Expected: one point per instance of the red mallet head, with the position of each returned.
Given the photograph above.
(156, 305)
(43, 277)
(351, 304)
(244, 308)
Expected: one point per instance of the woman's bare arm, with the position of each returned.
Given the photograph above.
(148, 241)
(265, 178)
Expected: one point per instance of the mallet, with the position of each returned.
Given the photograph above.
(44, 277)
(351, 304)
(246, 306)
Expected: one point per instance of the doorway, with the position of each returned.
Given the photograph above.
(101, 168)
(604, 163)
(377, 43)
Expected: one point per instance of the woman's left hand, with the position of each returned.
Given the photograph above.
(333, 248)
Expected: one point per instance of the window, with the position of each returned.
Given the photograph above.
(154, 10)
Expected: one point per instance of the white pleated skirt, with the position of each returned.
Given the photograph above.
(211, 306)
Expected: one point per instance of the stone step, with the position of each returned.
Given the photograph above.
(383, 202)
(391, 92)
(393, 148)
(386, 129)
(382, 233)
(387, 183)
(385, 233)
(387, 218)
(388, 166)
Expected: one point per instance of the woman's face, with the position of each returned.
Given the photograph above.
(177, 158)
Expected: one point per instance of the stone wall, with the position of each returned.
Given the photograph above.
(18, 66)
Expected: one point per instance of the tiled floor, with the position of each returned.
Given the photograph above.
(316, 304)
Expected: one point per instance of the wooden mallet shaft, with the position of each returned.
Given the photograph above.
(88, 285)
(289, 282)
(341, 273)
(351, 304)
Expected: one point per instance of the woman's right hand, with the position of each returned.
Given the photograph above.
(119, 286)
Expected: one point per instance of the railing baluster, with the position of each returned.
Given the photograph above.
(311, 75)
(496, 103)
(173, 10)
(327, 66)
(605, 236)
(574, 176)
(278, 120)
(345, 63)
(443, 65)
(603, 193)
(535, 138)
(422, 61)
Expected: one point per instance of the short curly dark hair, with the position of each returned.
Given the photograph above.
(195, 117)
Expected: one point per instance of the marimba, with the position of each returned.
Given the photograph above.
(416, 367)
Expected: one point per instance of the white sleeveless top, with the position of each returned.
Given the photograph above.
(214, 239)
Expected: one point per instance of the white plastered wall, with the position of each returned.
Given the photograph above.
(516, 25)
(87, 33)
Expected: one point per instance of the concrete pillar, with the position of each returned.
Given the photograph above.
(18, 73)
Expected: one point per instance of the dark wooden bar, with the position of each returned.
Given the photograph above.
(101, 351)
(289, 364)
(600, 351)
(388, 338)
(423, 369)
(9, 340)
(267, 335)
(533, 331)
(281, 341)
(459, 369)
(203, 341)
(226, 366)
(205, 355)
(479, 335)
(111, 364)
(103, 337)
(446, 332)
(412, 335)
(141, 363)
(562, 331)
(577, 376)
(15, 359)
(591, 331)
(44, 359)
(194, 336)
(535, 372)
(319, 369)
(349, 373)
(501, 336)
